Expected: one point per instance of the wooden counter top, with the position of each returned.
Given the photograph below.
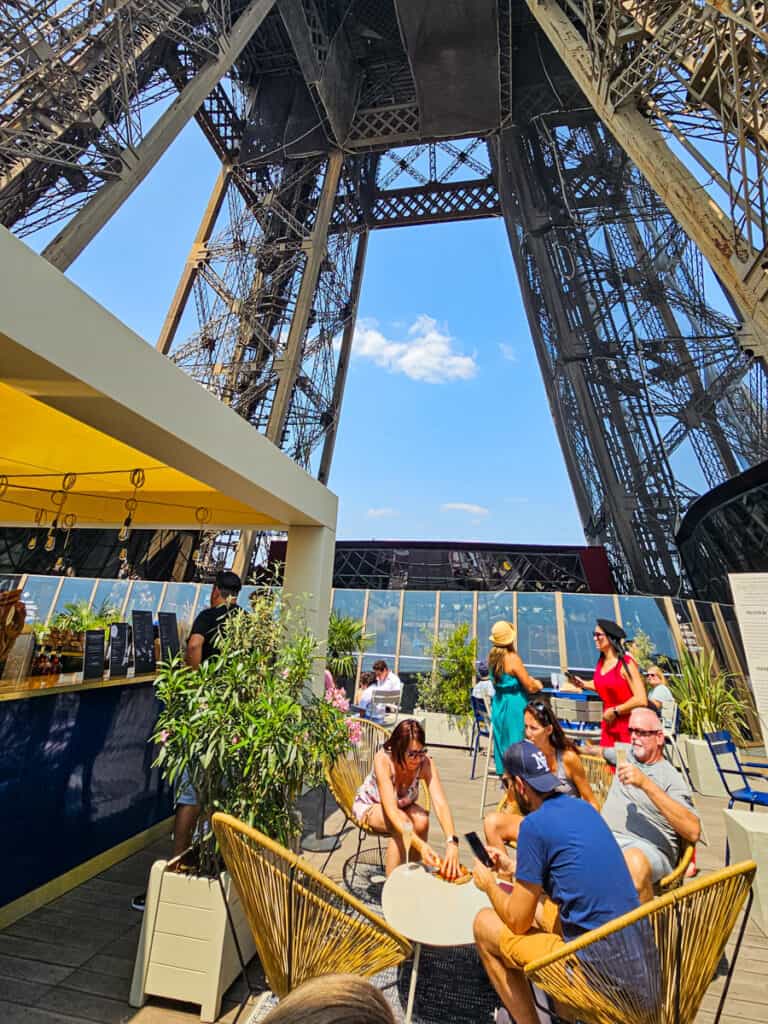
(67, 682)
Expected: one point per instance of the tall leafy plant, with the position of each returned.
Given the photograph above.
(448, 687)
(706, 701)
(245, 726)
(346, 638)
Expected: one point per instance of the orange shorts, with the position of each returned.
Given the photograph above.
(519, 950)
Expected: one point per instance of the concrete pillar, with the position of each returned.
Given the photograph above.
(309, 575)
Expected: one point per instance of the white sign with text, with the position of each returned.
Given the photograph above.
(750, 598)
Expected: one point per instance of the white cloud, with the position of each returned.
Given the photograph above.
(382, 513)
(463, 506)
(427, 354)
(509, 353)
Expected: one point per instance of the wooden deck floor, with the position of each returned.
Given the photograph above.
(71, 961)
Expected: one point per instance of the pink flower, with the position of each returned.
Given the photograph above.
(235, 740)
(285, 673)
(164, 735)
(355, 728)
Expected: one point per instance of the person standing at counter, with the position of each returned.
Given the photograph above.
(201, 645)
(512, 684)
(617, 682)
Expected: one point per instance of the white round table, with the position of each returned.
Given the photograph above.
(428, 910)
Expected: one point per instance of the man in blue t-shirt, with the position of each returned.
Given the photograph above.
(570, 877)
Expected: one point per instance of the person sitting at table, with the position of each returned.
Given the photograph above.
(563, 760)
(387, 801)
(658, 691)
(565, 855)
(384, 681)
(649, 807)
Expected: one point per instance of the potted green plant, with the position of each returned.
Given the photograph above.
(707, 703)
(249, 733)
(346, 639)
(67, 627)
(444, 694)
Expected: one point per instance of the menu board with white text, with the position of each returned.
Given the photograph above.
(750, 597)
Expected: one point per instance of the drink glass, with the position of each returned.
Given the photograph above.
(407, 837)
(622, 752)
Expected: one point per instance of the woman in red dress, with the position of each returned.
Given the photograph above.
(617, 681)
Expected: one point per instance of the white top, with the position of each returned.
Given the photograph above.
(427, 909)
(484, 688)
(661, 693)
(391, 683)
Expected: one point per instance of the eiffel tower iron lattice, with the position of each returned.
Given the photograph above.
(335, 118)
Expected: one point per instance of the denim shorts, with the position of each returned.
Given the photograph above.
(659, 862)
(185, 791)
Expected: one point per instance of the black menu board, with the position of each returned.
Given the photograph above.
(143, 643)
(93, 654)
(118, 650)
(169, 635)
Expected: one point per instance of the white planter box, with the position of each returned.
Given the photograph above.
(186, 950)
(701, 765)
(446, 730)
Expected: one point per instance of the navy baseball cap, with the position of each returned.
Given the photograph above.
(525, 761)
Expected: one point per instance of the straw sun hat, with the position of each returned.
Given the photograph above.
(502, 634)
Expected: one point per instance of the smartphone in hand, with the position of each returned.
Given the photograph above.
(478, 848)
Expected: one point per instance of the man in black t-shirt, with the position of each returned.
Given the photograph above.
(201, 645)
(205, 629)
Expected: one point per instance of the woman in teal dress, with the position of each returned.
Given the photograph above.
(513, 687)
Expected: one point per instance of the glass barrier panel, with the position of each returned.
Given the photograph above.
(455, 610)
(383, 613)
(581, 612)
(647, 613)
(110, 594)
(537, 633)
(38, 595)
(349, 603)
(9, 582)
(243, 598)
(492, 608)
(181, 598)
(74, 590)
(418, 630)
(145, 597)
(409, 671)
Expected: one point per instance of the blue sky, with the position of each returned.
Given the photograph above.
(445, 430)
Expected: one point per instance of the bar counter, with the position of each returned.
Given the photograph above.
(76, 780)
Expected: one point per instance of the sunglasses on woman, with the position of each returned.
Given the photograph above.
(417, 753)
(540, 708)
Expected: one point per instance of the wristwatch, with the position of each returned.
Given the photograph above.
(452, 839)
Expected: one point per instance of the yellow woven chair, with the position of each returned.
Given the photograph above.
(653, 965)
(599, 776)
(303, 924)
(345, 776)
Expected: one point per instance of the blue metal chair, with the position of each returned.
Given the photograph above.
(481, 728)
(722, 746)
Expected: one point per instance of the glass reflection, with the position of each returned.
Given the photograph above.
(349, 603)
(647, 613)
(145, 597)
(76, 590)
(383, 613)
(491, 608)
(38, 595)
(181, 598)
(537, 633)
(455, 610)
(110, 594)
(580, 612)
(418, 622)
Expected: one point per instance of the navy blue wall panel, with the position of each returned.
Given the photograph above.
(76, 779)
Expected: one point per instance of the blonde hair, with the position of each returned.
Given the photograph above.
(496, 657)
(333, 999)
(656, 668)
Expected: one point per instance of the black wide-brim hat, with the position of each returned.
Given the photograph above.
(611, 629)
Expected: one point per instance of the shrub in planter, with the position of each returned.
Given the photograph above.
(448, 687)
(346, 639)
(245, 726)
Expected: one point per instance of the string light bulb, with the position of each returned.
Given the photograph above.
(125, 529)
(32, 542)
(58, 565)
(50, 540)
(123, 554)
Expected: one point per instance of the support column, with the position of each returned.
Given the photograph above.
(192, 266)
(290, 363)
(699, 216)
(137, 164)
(344, 357)
(309, 576)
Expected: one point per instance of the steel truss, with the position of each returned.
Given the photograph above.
(642, 375)
(651, 395)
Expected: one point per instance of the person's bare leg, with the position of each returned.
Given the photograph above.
(395, 852)
(184, 826)
(501, 827)
(510, 984)
(640, 870)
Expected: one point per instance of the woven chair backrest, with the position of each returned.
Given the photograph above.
(654, 965)
(599, 776)
(303, 925)
(348, 771)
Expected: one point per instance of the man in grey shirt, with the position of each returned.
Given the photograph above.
(649, 807)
